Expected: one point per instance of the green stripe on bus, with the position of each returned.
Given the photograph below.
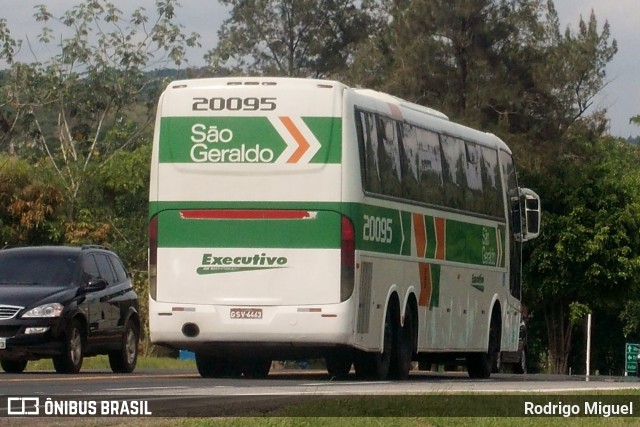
(435, 285)
(241, 140)
(328, 131)
(377, 229)
(179, 232)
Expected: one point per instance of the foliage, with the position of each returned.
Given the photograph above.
(298, 38)
(29, 206)
(589, 252)
(62, 108)
(501, 65)
(119, 196)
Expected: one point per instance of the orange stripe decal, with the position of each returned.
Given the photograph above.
(439, 224)
(421, 235)
(303, 144)
(425, 285)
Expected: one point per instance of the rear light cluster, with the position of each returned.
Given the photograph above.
(348, 258)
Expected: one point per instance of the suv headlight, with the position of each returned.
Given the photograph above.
(46, 310)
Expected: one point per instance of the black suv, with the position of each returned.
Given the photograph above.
(66, 303)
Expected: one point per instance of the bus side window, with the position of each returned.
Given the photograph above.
(454, 171)
(389, 157)
(474, 197)
(492, 187)
(368, 136)
(430, 168)
(409, 162)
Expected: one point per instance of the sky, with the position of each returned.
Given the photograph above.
(621, 96)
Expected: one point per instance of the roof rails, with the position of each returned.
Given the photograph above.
(95, 247)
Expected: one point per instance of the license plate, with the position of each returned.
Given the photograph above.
(3, 343)
(245, 313)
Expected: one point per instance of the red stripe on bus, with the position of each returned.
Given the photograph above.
(440, 226)
(420, 234)
(244, 214)
(425, 284)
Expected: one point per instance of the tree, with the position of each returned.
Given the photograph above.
(298, 38)
(62, 107)
(589, 251)
(30, 208)
(502, 65)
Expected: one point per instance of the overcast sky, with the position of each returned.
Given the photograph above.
(621, 97)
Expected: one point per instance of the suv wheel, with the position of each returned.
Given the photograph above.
(70, 361)
(124, 360)
(13, 366)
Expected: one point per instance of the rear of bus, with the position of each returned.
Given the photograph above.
(250, 247)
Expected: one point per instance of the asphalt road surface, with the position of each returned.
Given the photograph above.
(185, 393)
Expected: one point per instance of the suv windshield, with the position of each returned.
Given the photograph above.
(37, 269)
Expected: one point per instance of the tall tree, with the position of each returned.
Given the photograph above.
(65, 103)
(504, 65)
(589, 252)
(298, 38)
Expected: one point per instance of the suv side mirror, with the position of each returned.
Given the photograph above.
(95, 285)
(531, 214)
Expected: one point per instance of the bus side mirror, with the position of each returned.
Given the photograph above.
(531, 214)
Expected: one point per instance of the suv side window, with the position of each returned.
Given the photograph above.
(121, 274)
(106, 272)
(90, 269)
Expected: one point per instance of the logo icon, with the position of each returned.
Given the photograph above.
(23, 406)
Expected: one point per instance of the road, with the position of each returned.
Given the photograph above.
(181, 393)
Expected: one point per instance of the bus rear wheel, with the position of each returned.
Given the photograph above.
(256, 367)
(339, 363)
(377, 365)
(403, 354)
(214, 367)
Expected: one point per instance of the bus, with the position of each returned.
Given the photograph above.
(297, 218)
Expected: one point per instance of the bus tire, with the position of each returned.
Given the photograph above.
(376, 365)
(401, 363)
(214, 367)
(521, 366)
(480, 365)
(339, 363)
(257, 368)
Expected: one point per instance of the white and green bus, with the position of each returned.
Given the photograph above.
(299, 218)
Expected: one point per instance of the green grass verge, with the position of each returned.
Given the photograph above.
(102, 363)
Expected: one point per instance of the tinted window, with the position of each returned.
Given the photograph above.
(494, 202)
(430, 156)
(407, 161)
(104, 267)
(44, 269)
(369, 137)
(121, 274)
(90, 269)
(454, 166)
(389, 157)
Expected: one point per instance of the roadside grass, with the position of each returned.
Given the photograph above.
(101, 362)
(373, 411)
(362, 411)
